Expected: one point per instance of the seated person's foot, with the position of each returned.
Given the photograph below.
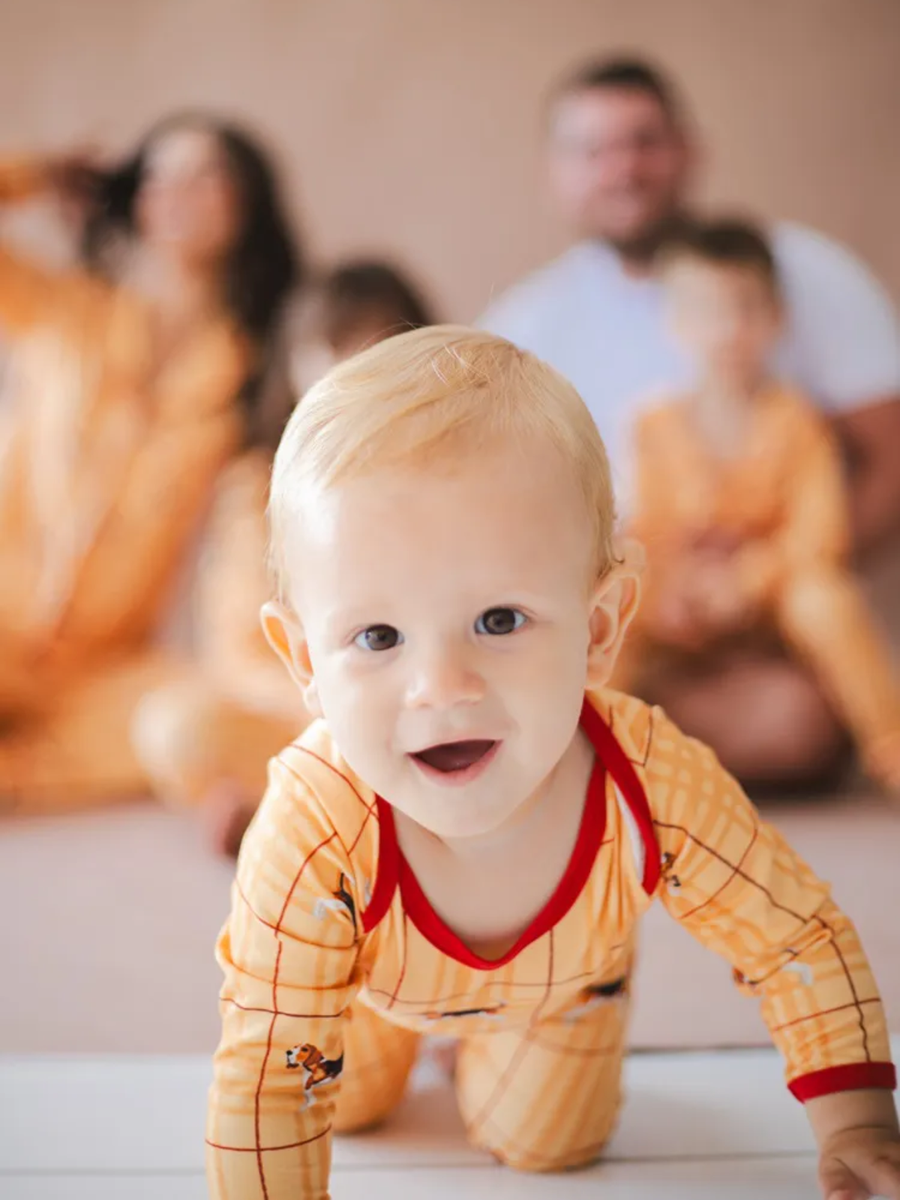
(227, 810)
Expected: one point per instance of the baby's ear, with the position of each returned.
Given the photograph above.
(613, 606)
(286, 636)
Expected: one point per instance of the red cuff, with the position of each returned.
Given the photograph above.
(855, 1077)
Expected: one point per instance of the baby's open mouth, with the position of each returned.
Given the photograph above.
(454, 756)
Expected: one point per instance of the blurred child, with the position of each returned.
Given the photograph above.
(353, 307)
(468, 838)
(205, 740)
(740, 501)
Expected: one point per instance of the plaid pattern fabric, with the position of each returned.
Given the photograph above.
(321, 1012)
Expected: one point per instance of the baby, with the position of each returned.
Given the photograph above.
(740, 502)
(467, 839)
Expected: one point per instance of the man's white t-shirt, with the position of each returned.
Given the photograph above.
(604, 330)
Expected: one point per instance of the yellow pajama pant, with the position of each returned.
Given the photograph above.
(146, 723)
(823, 618)
(74, 749)
(542, 1098)
(188, 737)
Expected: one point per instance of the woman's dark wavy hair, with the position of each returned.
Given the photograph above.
(265, 264)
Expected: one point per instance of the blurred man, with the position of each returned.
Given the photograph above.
(621, 160)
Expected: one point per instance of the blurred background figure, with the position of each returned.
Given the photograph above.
(206, 739)
(622, 156)
(740, 502)
(137, 375)
(352, 307)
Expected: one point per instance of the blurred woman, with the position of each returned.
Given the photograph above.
(135, 378)
(206, 739)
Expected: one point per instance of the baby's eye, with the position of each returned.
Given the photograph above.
(379, 637)
(500, 621)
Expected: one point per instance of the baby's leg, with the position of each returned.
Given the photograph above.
(823, 615)
(547, 1097)
(378, 1057)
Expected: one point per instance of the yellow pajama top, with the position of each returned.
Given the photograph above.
(782, 500)
(326, 913)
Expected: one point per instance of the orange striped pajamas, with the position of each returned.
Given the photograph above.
(335, 962)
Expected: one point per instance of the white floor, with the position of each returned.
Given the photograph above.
(699, 1126)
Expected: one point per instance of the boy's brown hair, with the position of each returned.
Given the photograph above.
(366, 291)
(728, 243)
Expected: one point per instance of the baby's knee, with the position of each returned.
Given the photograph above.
(545, 1138)
(362, 1108)
(549, 1164)
(548, 1159)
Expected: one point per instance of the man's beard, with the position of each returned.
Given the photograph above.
(642, 249)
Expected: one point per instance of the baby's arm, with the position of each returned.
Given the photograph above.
(737, 886)
(290, 973)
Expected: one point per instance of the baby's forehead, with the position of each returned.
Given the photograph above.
(508, 523)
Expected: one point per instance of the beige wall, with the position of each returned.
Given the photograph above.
(411, 126)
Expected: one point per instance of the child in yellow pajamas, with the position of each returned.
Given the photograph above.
(740, 503)
(205, 738)
(467, 839)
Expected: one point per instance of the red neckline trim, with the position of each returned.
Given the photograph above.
(625, 778)
(394, 871)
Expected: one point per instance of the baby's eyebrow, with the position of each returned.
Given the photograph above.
(339, 620)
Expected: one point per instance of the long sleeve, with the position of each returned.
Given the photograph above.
(290, 954)
(650, 514)
(132, 558)
(735, 885)
(140, 488)
(815, 526)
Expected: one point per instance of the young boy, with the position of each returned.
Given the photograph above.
(740, 502)
(466, 841)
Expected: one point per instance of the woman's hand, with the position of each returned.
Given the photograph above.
(76, 181)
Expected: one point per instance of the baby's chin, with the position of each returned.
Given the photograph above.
(457, 814)
(450, 823)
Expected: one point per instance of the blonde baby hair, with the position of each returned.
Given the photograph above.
(427, 398)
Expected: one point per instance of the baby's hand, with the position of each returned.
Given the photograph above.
(857, 1164)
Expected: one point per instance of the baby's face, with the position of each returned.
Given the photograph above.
(726, 316)
(447, 620)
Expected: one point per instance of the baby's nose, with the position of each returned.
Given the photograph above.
(444, 677)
